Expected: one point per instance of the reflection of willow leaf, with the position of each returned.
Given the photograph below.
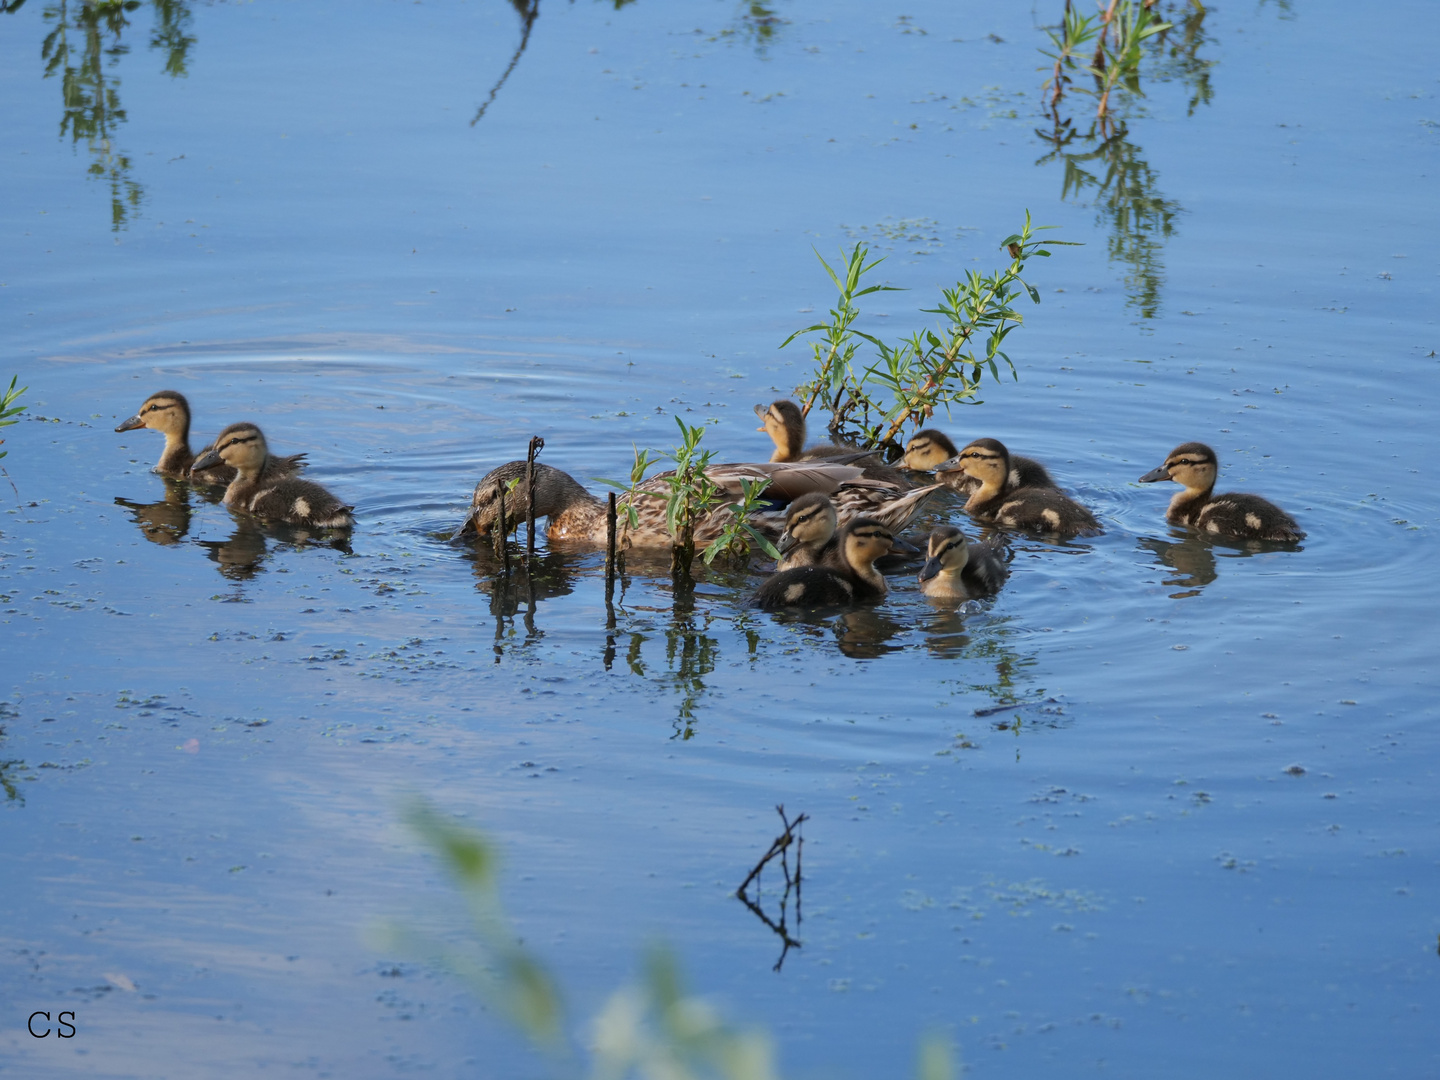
(172, 20)
(528, 10)
(1139, 217)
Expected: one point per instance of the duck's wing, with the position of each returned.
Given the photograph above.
(788, 479)
(882, 502)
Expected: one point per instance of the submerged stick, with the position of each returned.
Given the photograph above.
(502, 531)
(610, 549)
(536, 445)
(777, 847)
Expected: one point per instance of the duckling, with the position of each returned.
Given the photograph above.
(809, 536)
(861, 542)
(262, 487)
(931, 448)
(1248, 517)
(785, 424)
(958, 569)
(168, 412)
(1035, 509)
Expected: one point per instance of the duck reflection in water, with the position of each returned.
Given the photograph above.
(1191, 558)
(1194, 557)
(241, 556)
(244, 553)
(865, 634)
(553, 575)
(165, 522)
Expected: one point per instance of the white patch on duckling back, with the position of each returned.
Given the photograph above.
(794, 593)
(1051, 518)
(1253, 520)
(1212, 526)
(301, 508)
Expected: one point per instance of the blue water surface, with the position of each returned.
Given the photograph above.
(1164, 807)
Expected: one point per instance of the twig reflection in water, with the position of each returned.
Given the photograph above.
(529, 11)
(780, 847)
(11, 768)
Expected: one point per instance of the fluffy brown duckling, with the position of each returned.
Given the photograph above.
(168, 412)
(785, 424)
(959, 570)
(809, 538)
(929, 449)
(861, 542)
(1248, 517)
(1034, 509)
(265, 489)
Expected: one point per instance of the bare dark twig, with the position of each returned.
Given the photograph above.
(536, 445)
(501, 533)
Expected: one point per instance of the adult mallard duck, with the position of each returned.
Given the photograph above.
(168, 412)
(572, 513)
(263, 488)
(1247, 517)
(855, 578)
(1035, 509)
(785, 424)
(929, 449)
(959, 570)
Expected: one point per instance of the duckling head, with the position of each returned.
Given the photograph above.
(166, 411)
(785, 424)
(986, 460)
(1190, 464)
(863, 541)
(927, 450)
(554, 491)
(810, 520)
(948, 552)
(239, 445)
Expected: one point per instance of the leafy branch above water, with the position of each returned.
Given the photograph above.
(934, 368)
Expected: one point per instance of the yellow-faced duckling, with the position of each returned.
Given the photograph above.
(929, 449)
(959, 570)
(809, 538)
(1034, 509)
(168, 412)
(262, 487)
(1247, 517)
(785, 424)
(861, 542)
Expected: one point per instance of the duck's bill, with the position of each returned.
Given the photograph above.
(761, 411)
(930, 569)
(207, 460)
(949, 465)
(787, 542)
(1162, 473)
(131, 424)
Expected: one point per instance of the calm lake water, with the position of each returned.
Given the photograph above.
(1162, 808)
